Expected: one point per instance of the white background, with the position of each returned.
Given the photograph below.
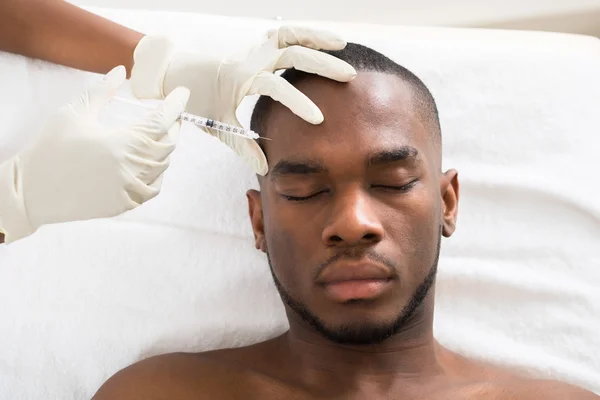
(573, 16)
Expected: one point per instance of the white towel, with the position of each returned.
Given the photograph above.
(517, 284)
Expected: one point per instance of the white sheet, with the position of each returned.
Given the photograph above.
(517, 283)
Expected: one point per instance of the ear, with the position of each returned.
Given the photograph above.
(255, 210)
(449, 191)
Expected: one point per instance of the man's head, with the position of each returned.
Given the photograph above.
(352, 210)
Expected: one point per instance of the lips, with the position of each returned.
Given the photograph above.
(346, 281)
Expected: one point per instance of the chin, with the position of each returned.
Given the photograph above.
(360, 311)
(356, 321)
(360, 318)
(366, 332)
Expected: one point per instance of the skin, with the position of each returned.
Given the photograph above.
(354, 213)
(59, 32)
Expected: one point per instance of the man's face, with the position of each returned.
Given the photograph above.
(352, 210)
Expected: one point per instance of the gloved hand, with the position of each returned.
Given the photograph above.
(76, 170)
(218, 86)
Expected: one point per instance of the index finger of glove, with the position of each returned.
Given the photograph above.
(308, 37)
(316, 62)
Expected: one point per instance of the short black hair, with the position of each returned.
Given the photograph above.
(362, 58)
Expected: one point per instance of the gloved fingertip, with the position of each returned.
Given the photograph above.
(252, 154)
(119, 69)
(116, 77)
(100, 92)
(350, 72)
(315, 117)
(261, 169)
(308, 111)
(174, 104)
(178, 98)
(337, 44)
(258, 164)
(331, 40)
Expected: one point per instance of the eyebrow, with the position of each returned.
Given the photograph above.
(307, 167)
(287, 167)
(403, 153)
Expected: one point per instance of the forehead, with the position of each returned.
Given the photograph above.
(371, 113)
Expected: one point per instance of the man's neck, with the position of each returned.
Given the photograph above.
(410, 354)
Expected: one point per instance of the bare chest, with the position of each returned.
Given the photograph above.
(264, 388)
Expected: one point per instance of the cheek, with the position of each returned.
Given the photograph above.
(290, 243)
(414, 229)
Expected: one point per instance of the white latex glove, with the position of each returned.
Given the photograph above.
(219, 86)
(76, 170)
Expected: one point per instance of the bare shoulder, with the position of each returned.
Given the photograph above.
(520, 389)
(498, 383)
(169, 376)
(552, 390)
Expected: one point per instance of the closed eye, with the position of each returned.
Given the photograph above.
(402, 188)
(302, 198)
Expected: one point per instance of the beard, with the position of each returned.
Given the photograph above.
(362, 333)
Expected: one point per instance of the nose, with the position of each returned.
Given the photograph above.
(353, 221)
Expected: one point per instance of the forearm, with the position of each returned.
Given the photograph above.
(59, 32)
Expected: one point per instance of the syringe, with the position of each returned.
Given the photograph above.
(201, 121)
